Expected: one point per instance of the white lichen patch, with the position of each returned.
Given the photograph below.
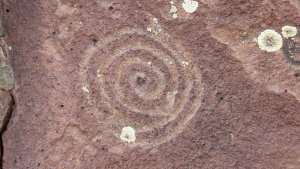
(254, 40)
(269, 40)
(289, 31)
(99, 73)
(155, 20)
(173, 10)
(154, 27)
(190, 6)
(128, 134)
(85, 89)
(184, 63)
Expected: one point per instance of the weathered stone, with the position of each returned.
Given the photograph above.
(6, 77)
(5, 103)
(152, 84)
(5, 108)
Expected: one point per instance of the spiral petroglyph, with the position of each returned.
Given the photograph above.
(138, 79)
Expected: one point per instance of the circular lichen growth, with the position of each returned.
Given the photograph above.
(6, 77)
(128, 134)
(269, 40)
(289, 31)
(190, 6)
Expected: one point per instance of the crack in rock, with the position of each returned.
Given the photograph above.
(7, 101)
(5, 122)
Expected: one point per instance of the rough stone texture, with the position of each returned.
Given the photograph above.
(5, 103)
(196, 88)
(6, 77)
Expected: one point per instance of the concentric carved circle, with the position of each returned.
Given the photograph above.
(144, 81)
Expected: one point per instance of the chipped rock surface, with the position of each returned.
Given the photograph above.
(190, 80)
(5, 102)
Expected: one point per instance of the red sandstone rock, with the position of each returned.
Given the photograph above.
(196, 89)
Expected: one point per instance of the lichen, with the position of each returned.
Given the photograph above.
(86, 89)
(190, 6)
(128, 134)
(184, 63)
(173, 10)
(7, 77)
(289, 31)
(155, 20)
(269, 40)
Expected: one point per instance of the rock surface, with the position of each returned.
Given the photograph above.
(7, 78)
(194, 86)
(5, 105)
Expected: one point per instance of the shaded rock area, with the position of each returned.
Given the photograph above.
(6, 107)
(5, 103)
(152, 84)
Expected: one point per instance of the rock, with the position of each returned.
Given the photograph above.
(5, 108)
(192, 91)
(5, 103)
(6, 77)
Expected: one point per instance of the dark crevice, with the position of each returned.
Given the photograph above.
(5, 124)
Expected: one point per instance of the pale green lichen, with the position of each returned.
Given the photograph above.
(269, 40)
(7, 77)
(289, 31)
(190, 6)
(85, 89)
(173, 10)
(155, 20)
(128, 134)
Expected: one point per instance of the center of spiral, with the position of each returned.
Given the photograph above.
(140, 81)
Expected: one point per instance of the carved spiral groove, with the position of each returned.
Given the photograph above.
(143, 81)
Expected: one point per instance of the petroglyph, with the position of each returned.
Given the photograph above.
(139, 80)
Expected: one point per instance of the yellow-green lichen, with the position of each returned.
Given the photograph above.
(190, 6)
(289, 31)
(128, 134)
(269, 40)
(7, 77)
